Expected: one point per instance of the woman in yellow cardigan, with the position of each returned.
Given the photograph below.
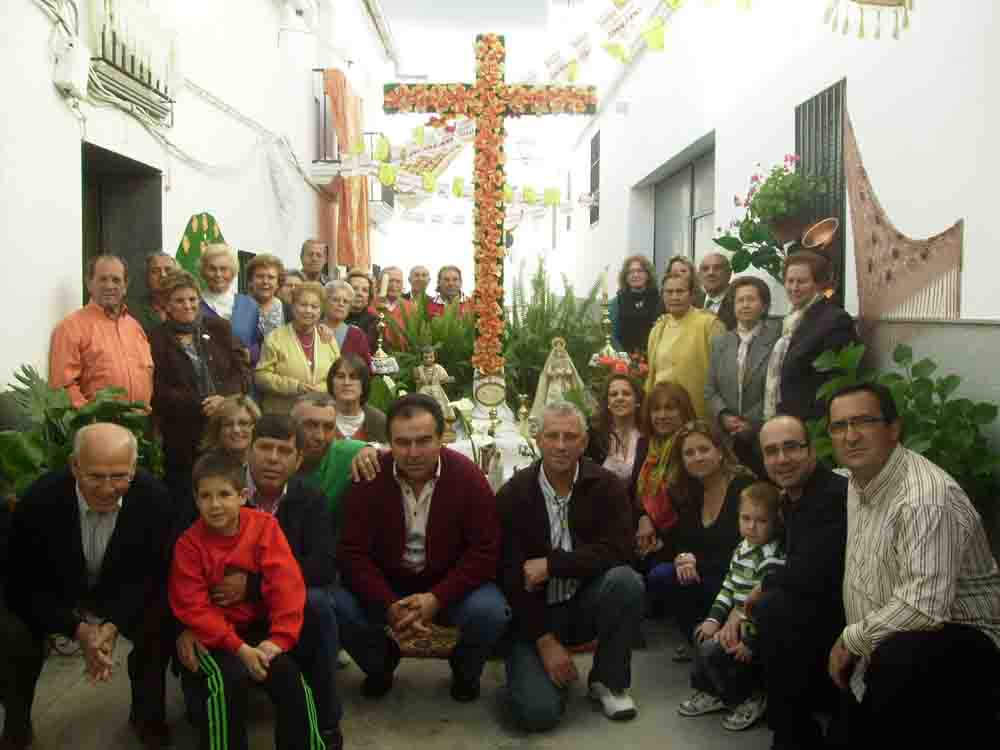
(680, 344)
(295, 358)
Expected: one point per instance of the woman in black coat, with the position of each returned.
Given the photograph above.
(197, 363)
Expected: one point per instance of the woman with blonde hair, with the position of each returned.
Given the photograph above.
(682, 266)
(230, 428)
(636, 306)
(219, 298)
(295, 358)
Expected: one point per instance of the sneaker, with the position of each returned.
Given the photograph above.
(746, 714)
(682, 654)
(618, 706)
(701, 703)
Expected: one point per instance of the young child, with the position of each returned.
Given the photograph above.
(724, 672)
(245, 641)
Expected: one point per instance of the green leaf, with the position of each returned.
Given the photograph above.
(947, 386)
(891, 379)
(984, 414)
(924, 368)
(729, 242)
(903, 355)
(832, 386)
(851, 357)
(740, 261)
(918, 444)
(827, 361)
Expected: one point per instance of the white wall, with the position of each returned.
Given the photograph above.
(244, 58)
(921, 108)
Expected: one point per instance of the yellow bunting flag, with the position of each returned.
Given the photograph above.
(529, 196)
(358, 148)
(617, 51)
(387, 175)
(382, 149)
(550, 197)
(572, 71)
(418, 135)
(653, 34)
(428, 182)
(458, 187)
(675, 4)
(620, 3)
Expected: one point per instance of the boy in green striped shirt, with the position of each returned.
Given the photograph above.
(725, 674)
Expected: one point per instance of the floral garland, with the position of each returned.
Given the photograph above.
(489, 100)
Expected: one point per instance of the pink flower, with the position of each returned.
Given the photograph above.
(737, 201)
(755, 179)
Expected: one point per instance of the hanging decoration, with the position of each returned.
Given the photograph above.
(869, 16)
(488, 102)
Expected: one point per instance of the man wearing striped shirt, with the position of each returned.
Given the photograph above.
(921, 588)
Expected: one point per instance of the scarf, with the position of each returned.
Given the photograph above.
(651, 486)
(772, 388)
(223, 303)
(195, 352)
(637, 312)
(746, 341)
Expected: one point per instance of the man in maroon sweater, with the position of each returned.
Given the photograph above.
(407, 565)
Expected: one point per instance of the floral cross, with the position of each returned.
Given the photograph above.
(488, 101)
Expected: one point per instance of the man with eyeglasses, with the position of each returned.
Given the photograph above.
(90, 545)
(798, 608)
(921, 649)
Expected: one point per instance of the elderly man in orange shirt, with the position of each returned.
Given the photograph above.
(101, 344)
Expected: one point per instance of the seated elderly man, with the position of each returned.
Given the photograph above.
(420, 543)
(919, 658)
(90, 546)
(567, 542)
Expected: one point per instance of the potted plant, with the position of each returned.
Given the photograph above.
(777, 206)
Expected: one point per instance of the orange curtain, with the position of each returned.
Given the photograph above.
(343, 221)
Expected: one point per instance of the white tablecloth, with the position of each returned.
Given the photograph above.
(510, 441)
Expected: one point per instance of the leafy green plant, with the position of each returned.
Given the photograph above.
(452, 335)
(783, 195)
(533, 322)
(27, 454)
(945, 429)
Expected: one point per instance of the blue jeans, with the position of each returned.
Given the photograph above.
(481, 617)
(689, 603)
(608, 608)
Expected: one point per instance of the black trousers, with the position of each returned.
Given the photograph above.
(795, 636)
(925, 689)
(222, 685)
(22, 654)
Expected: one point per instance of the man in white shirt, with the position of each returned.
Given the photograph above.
(919, 657)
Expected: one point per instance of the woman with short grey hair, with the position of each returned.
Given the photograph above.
(350, 338)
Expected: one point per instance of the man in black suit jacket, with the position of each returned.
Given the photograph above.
(90, 545)
(799, 609)
(714, 274)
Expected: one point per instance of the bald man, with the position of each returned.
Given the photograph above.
(90, 545)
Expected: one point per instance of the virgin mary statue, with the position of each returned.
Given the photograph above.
(559, 377)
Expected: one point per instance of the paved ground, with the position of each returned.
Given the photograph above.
(417, 715)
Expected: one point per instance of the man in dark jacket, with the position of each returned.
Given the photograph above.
(303, 513)
(799, 609)
(91, 549)
(567, 542)
(420, 543)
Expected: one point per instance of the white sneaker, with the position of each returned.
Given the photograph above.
(617, 705)
(343, 659)
(701, 703)
(746, 714)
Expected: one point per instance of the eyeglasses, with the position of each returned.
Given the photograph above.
(96, 479)
(858, 424)
(791, 449)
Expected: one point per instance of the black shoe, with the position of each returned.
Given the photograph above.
(333, 739)
(154, 735)
(464, 691)
(377, 685)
